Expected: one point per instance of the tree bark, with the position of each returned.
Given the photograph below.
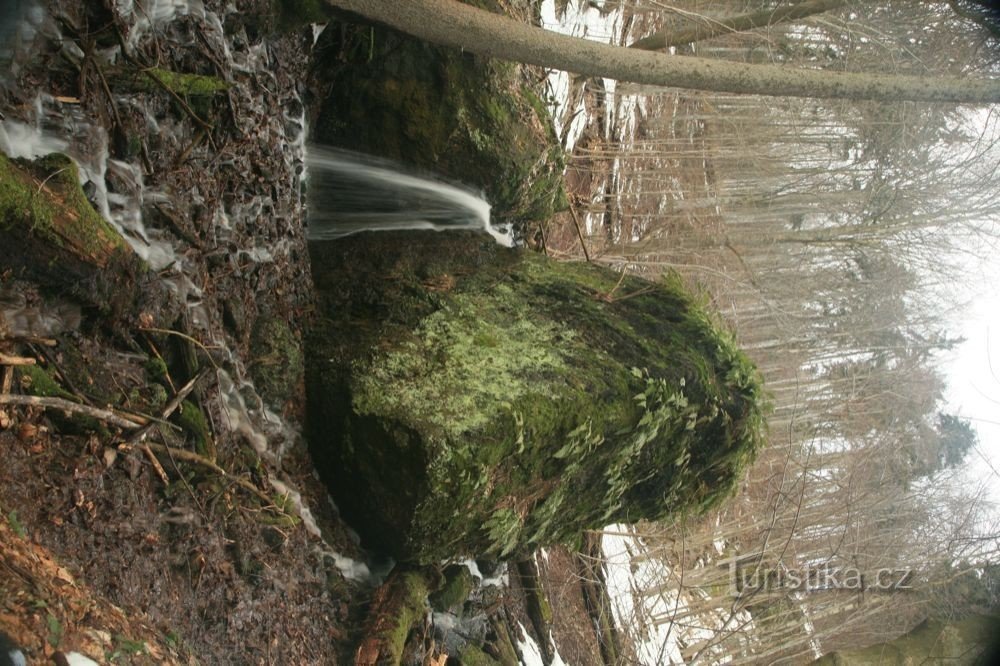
(451, 23)
(713, 28)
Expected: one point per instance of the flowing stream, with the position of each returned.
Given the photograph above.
(350, 193)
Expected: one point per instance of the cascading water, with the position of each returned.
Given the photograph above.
(350, 193)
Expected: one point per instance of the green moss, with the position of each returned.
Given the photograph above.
(193, 422)
(185, 85)
(34, 194)
(458, 584)
(15, 524)
(504, 647)
(411, 588)
(42, 384)
(448, 350)
(282, 514)
(532, 400)
(473, 656)
(156, 369)
(276, 364)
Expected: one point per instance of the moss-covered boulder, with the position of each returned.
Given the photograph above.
(474, 120)
(466, 398)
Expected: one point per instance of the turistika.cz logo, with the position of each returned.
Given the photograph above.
(748, 574)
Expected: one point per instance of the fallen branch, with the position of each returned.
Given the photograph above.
(192, 457)
(15, 360)
(160, 472)
(105, 415)
(169, 409)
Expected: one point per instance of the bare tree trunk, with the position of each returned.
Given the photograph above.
(452, 23)
(713, 28)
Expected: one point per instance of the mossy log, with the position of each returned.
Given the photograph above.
(51, 235)
(466, 398)
(398, 605)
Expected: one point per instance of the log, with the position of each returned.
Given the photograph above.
(399, 604)
(52, 236)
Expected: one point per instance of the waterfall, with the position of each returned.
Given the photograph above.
(349, 192)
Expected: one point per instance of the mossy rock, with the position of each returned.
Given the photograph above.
(441, 110)
(277, 363)
(469, 399)
(458, 584)
(472, 655)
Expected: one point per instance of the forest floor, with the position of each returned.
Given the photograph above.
(174, 542)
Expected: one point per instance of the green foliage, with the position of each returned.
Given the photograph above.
(523, 405)
(55, 630)
(957, 437)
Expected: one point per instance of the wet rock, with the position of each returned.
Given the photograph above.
(517, 403)
(467, 118)
(457, 586)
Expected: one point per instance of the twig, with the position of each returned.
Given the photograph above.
(72, 407)
(50, 359)
(204, 348)
(192, 457)
(170, 408)
(148, 71)
(579, 233)
(160, 472)
(15, 360)
(48, 342)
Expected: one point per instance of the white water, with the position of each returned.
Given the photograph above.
(349, 193)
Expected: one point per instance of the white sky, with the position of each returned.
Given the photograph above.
(974, 375)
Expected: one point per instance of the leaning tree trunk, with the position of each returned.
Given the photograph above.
(452, 23)
(709, 28)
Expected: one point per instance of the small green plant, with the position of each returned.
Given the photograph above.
(15, 524)
(55, 630)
